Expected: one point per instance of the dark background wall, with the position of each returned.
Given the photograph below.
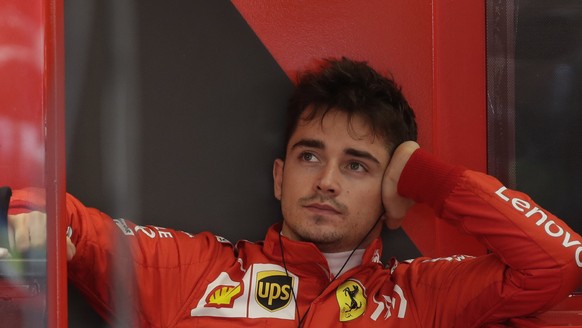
(174, 115)
(548, 105)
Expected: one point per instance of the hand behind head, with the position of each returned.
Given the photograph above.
(395, 205)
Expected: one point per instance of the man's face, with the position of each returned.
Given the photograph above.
(330, 182)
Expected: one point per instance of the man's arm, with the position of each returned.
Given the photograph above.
(138, 255)
(539, 256)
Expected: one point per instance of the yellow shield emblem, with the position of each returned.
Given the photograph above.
(351, 298)
(274, 290)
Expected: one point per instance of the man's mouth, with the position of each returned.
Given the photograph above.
(322, 209)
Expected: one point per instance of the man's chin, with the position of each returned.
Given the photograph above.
(322, 237)
(315, 230)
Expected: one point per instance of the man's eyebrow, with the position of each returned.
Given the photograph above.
(310, 143)
(361, 154)
(318, 144)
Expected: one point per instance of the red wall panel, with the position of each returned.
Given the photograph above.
(392, 38)
(21, 93)
(459, 104)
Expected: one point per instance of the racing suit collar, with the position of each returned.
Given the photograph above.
(306, 256)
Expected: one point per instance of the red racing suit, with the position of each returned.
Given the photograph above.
(201, 280)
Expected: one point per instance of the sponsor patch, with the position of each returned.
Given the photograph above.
(550, 228)
(388, 306)
(123, 227)
(223, 296)
(351, 298)
(274, 290)
(264, 291)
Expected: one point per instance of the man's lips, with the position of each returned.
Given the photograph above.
(322, 208)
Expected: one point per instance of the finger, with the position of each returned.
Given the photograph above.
(394, 223)
(399, 207)
(22, 237)
(37, 230)
(4, 253)
(71, 249)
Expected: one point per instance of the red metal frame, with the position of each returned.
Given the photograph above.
(32, 135)
(53, 104)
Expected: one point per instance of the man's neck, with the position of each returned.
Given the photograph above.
(343, 261)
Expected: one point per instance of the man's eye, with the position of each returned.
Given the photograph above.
(308, 157)
(355, 166)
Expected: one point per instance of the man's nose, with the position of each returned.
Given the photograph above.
(328, 181)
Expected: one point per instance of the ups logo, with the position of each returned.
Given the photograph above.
(274, 290)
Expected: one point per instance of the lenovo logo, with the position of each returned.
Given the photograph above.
(551, 228)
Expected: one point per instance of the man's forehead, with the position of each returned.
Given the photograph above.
(357, 126)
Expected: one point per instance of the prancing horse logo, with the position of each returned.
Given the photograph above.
(351, 299)
(354, 304)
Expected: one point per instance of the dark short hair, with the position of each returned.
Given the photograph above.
(355, 88)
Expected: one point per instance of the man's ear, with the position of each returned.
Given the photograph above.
(278, 177)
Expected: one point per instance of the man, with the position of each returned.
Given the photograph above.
(351, 165)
